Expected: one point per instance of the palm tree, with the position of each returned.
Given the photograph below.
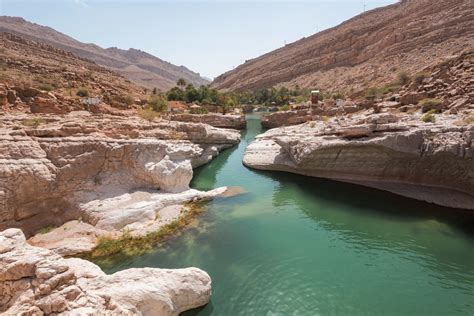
(181, 83)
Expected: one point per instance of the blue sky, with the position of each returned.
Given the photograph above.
(207, 36)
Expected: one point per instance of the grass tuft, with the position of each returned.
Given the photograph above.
(129, 245)
(33, 122)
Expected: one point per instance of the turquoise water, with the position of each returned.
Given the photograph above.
(294, 245)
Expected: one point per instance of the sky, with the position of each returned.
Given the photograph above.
(207, 36)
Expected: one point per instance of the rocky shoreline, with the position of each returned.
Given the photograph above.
(68, 180)
(37, 281)
(400, 154)
(111, 173)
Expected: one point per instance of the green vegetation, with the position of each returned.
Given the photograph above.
(46, 229)
(431, 104)
(403, 78)
(228, 100)
(158, 103)
(429, 117)
(285, 107)
(82, 92)
(33, 122)
(130, 246)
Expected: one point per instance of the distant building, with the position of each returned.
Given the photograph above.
(314, 97)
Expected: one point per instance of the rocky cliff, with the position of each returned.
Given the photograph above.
(140, 67)
(216, 120)
(110, 172)
(447, 87)
(433, 162)
(36, 281)
(367, 50)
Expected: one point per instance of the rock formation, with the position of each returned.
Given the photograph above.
(367, 50)
(450, 86)
(110, 172)
(398, 153)
(36, 281)
(216, 120)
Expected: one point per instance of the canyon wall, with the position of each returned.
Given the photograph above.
(368, 50)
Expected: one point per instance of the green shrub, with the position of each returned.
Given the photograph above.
(82, 92)
(403, 78)
(285, 107)
(431, 104)
(158, 103)
(429, 117)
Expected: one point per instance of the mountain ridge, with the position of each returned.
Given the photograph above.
(374, 46)
(150, 72)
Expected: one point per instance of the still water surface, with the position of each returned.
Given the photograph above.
(294, 245)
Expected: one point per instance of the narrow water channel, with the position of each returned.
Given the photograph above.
(294, 245)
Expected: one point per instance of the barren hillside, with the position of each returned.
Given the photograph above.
(367, 50)
(140, 67)
(41, 78)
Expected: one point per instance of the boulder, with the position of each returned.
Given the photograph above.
(36, 281)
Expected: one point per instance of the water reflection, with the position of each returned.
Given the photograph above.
(296, 245)
(374, 220)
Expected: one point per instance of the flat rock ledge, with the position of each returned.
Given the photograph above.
(433, 162)
(216, 120)
(90, 175)
(37, 281)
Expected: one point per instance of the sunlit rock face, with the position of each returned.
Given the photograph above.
(49, 172)
(401, 154)
(37, 281)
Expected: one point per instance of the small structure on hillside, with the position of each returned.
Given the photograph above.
(194, 109)
(314, 97)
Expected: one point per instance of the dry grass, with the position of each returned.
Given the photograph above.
(148, 114)
(429, 117)
(466, 120)
(46, 229)
(33, 122)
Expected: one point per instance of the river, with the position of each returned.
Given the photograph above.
(294, 245)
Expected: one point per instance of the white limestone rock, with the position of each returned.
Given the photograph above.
(37, 281)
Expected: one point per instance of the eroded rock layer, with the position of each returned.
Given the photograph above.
(51, 171)
(367, 50)
(433, 162)
(36, 281)
(216, 120)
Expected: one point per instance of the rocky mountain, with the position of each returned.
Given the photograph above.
(417, 142)
(40, 78)
(368, 50)
(138, 66)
